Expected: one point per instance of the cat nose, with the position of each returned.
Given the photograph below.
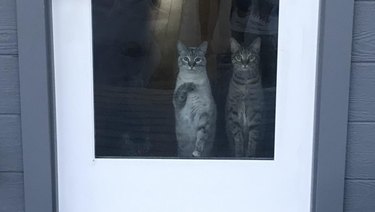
(191, 65)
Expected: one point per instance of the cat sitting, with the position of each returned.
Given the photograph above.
(244, 105)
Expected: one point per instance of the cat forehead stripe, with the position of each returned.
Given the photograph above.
(194, 51)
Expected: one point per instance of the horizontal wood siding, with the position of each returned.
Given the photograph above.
(9, 85)
(11, 170)
(361, 151)
(360, 196)
(364, 32)
(362, 96)
(8, 27)
(11, 192)
(360, 172)
(10, 144)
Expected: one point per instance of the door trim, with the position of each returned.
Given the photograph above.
(37, 104)
(332, 104)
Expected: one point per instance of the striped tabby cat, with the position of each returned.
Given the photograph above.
(195, 110)
(245, 100)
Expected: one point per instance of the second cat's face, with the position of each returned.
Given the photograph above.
(245, 58)
(192, 58)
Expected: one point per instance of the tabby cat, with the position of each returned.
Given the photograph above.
(195, 110)
(245, 100)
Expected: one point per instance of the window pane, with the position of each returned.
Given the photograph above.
(185, 78)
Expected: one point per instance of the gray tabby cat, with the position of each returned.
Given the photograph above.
(245, 100)
(195, 109)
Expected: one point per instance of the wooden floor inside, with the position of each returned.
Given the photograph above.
(139, 122)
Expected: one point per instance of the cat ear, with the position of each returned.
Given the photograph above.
(234, 45)
(203, 47)
(255, 45)
(181, 48)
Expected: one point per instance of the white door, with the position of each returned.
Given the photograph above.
(87, 183)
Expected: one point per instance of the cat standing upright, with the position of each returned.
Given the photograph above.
(195, 109)
(244, 106)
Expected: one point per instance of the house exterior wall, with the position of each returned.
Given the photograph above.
(360, 168)
(11, 167)
(360, 174)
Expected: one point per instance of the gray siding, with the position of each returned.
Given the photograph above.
(360, 173)
(11, 175)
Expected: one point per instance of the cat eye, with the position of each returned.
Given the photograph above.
(198, 60)
(186, 59)
(252, 58)
(238, 58)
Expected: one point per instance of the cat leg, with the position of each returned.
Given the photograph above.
(238, 143)
(254, 136)
(180, 95)
(202, 135)
(235, 132)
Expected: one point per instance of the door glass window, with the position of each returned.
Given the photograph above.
(185, 78)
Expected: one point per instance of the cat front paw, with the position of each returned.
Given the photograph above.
(189, 86)
(196, 154)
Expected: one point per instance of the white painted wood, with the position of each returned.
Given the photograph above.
(96, 185)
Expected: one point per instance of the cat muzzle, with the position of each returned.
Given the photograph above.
(245, 66)
(192, 65)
